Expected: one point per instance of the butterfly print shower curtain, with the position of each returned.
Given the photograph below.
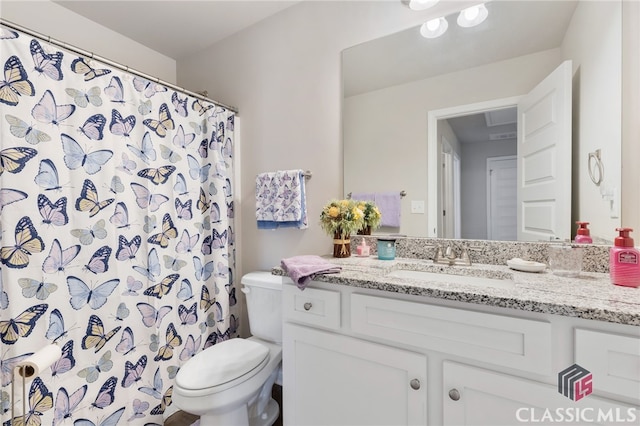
(116, 207)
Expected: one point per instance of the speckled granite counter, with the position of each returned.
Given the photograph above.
(589, 296)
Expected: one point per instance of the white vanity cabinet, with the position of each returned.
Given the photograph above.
(354, 356)
(340, 380)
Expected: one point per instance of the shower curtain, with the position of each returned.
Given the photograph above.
(116, 214)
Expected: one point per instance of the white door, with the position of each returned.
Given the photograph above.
(544, 159)
(501, 198)
(331, 379)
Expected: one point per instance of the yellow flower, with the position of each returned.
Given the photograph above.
(341, 216)
(357, 213)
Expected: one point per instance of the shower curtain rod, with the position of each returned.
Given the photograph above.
(91, 55)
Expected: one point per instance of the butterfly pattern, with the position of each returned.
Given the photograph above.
(116, 229)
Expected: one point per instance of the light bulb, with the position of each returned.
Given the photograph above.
(433, 24)
(422, 4)
(434, 28)
(472, 16)
(471, 13)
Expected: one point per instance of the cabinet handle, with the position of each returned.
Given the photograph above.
(415, 384)
(307, 306)
(454, 394)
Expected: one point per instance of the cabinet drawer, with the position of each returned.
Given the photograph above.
(613, 359)
(497, 339)
(312, 306)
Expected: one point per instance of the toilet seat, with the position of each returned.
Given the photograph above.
(225, 362)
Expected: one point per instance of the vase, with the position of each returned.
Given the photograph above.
(341, 245)
(365, 231)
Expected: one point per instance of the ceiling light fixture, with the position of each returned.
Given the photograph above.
(472, 16)
(422, 4)
(434, 28)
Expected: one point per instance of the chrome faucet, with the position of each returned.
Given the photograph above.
(448, 257)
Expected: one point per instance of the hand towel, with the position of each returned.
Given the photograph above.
(389, 205)
(281, 200)
(302, 269)
(362, 196)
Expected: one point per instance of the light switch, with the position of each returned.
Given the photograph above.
(417, 207)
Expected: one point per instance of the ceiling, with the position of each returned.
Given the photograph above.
(512, 29)
(475, 128)
(179, 28)
(176, 28)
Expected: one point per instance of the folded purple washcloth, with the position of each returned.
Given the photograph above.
(301, 269)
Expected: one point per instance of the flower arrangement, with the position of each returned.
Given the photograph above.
(343, 217)
(372, 216)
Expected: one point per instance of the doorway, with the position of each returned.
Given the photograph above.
(467, 151)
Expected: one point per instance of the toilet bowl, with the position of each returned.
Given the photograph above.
(230, 382)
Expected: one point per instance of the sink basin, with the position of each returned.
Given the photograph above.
(452, 279)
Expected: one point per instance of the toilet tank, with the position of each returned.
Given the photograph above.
(263, 292)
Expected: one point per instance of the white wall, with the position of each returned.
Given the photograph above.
(284, 75)
(630, 114)
(53, 20)
(596, 55)
(393, 121)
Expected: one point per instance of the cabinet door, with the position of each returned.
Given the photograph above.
(331, 379)
(473, 396)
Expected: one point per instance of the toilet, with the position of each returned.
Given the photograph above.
(230, 382)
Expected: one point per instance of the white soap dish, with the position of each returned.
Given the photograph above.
(525, 265)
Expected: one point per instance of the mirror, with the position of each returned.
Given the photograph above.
(392, 84)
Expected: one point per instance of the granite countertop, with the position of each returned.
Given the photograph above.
(590, 295)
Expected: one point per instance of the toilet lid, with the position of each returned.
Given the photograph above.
(221, 363)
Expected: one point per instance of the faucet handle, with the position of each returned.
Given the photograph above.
(464, 258)
(448, 252)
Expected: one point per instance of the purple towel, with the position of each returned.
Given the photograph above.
(362, 196)
(389, 205)
(301, 269)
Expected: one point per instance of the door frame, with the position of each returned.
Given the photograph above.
(451, 193)
(433, 154)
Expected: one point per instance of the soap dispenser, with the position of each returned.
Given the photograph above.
(363, 249)
(583, 235)
(624, 260)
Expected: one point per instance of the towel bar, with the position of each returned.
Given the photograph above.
(403, 193)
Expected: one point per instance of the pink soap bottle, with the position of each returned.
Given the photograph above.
(363, 249)
(624, 260)
(583, 235)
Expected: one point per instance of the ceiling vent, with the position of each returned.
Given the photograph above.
(502, 136)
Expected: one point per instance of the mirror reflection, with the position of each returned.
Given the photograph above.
(435, 118)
